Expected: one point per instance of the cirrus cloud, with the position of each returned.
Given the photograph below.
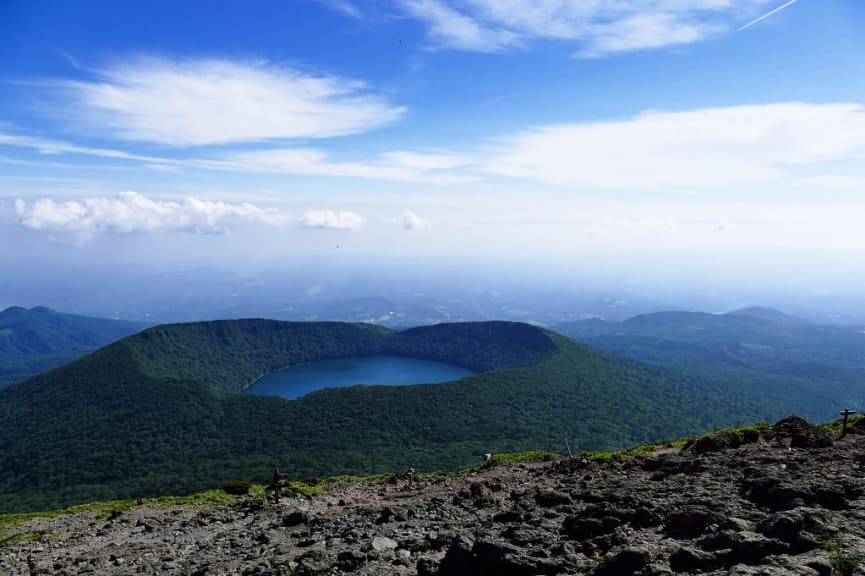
(211, 101)
(695, 149)
(594, 28)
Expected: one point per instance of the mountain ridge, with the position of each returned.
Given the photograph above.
(796, 363)
(39, 339)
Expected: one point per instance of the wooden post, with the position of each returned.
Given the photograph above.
(274, 484)
(846, 413)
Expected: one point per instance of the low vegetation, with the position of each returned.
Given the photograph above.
(843, 564)
(520, 457)
(725, 439)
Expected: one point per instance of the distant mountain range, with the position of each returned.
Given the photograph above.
(805, 366)
(39, 339)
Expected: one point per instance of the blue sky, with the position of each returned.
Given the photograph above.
(217, 132)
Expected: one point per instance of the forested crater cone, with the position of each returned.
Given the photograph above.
(768, 505)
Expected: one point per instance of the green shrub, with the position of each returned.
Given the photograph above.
(725, 439)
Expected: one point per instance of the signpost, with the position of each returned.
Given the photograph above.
(846, 413)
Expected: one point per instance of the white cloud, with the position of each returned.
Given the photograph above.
(51, 147)
(410, 221)
(130, 212)
(645, 31)
(594, 28)
(341, 220)
(426, 162)
(453, 29)
(698, 149)
(398, 166)
(199, 102)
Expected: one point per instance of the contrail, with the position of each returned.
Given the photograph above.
(766, 15)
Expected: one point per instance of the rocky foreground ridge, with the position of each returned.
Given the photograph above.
(789, 499)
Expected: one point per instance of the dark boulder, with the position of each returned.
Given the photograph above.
(688, 560)
(458, 560)
(623, 563)
(295, 519)
(551, 498)
(801, 433)
(687, 523)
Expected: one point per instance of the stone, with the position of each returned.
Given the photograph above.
(550, 498)
(295, 519)
(689, 559)
(687, 523)
(383, 544)
(625, 562)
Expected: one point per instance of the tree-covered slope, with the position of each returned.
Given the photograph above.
(39, 339)
(161, 412)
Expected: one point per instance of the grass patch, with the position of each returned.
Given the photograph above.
(842, 563)
(349, 478)
(12, 539)
(855, 425)
(725, 439)
(520, 457)
(305, 488)
(99, 508)
(208, 497)
(114, 507)
(626, 454)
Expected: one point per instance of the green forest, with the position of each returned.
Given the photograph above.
(37, 340)
(811, 369)
(163, 412)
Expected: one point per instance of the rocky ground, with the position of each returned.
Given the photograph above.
(789, 501)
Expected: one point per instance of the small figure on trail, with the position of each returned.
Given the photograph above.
(274, 484)
(408, 475)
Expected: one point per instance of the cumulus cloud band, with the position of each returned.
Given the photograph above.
(130, 212)
(330, 219)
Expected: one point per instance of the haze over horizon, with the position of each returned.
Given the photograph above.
(689, 153)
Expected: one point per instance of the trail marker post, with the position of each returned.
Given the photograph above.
(846, 413)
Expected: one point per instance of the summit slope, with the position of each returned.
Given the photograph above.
(787, 502)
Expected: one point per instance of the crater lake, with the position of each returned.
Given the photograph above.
(302, 379)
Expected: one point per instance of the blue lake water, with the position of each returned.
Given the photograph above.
(299, 380)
